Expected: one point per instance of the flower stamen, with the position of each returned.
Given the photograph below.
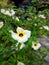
(35, 44)
(21, 35)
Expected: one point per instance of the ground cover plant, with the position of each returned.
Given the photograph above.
(19, 33)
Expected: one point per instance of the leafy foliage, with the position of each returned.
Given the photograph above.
(29, 20)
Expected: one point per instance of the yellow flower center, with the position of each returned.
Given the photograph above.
(35, 44)
(21, 34)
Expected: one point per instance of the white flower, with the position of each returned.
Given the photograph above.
(8, 12)
(42, 16)
(3, 11)
(1, 24)
(20, 63)
(21, 35)
(36, 45)
(46, 27)
(21, 44)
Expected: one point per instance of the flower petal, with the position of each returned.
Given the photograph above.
(20, 63)
(14, 35)
(19, 29)
(3, 11)
(1, 24)
(28, 33)
(42, 16)
(46, 27)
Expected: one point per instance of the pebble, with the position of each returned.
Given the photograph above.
(47, 58)
(44, 41)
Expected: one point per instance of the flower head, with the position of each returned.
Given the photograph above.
(3, 11)
(1, 24)
(42, 16)
(21, 35)
(20, 63)
(46, 27)
(8, 12)
(36, 45)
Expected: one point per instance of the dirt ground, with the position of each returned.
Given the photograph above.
(45, 44)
